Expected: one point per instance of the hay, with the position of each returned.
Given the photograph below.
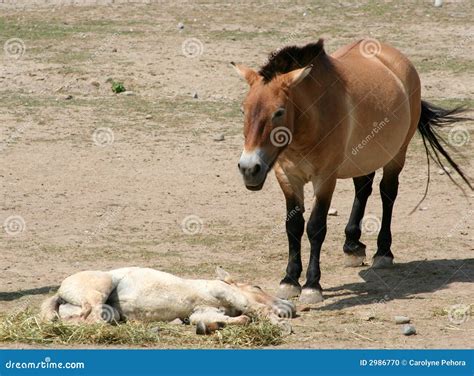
(25, 327)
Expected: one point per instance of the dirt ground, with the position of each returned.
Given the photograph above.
(95, 180)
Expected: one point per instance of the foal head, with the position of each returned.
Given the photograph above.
(268, 121)
(258, 300)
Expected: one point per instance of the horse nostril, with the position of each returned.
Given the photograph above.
(256, 169)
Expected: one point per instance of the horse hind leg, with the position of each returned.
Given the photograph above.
(388, 191)
(354, 249)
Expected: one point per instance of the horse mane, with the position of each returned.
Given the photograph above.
(290, 58)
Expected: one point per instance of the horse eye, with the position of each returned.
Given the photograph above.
(278, 113)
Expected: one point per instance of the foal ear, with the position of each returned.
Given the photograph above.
(294, 77)
(246, 73)
(223, 275)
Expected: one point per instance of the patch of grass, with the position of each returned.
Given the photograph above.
(25, 327)
(118, 87)
(257, 334)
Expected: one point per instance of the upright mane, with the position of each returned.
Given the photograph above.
(289, 58)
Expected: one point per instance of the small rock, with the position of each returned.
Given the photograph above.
(114, 50)
(408, 330)
(423, 208)
(219, 137)
(402, 320)
(304, 14)
(332, 212)
(369, 318)
(177, 321)
(444, 170)
(68, 97)
(128, 93)
(148, 117)
(195, 95)
(95, 83)
(180, 26)
(438, 3)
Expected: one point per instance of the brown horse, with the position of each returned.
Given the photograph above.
(318, 118)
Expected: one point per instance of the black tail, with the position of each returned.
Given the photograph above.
(433, 117)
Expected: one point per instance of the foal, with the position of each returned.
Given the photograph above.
(148, 294)
(318, 118)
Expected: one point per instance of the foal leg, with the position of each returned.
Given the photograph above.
(353, 248)
(289, 285)
(316, 230)
(388, 190)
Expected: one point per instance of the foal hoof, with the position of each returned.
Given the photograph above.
(287, 291)
(381, 262)
(311, 296)
(353, 261)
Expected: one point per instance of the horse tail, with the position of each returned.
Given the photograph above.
(50, 308)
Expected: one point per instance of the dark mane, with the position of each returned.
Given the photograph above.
(289, 58)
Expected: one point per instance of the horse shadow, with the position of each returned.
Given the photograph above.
(14, 295)
(402, 281)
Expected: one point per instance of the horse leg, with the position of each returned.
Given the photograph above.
(316, 230)
(388, 190)
(354, 249)
(289, 285)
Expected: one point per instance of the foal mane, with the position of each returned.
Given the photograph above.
(290, 58)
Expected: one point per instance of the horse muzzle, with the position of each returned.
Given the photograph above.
(254, 169)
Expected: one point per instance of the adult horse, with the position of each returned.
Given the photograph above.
(317, 118)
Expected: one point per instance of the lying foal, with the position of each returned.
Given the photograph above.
(148, 294)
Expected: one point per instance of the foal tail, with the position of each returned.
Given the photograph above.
(431, 118)
(49, 308)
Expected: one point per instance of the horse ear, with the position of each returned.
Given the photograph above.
(246, 73)
(223, 275)
(294, 77)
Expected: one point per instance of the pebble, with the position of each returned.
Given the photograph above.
(149, 117)
(423, 208)
(68, 97)
(177, 321)
(128, 93)
(444, 170)
(219, 137)
(155, 330)
(180, 26)
(332, 212)
(402, 320)
(195, 95)
(408, 330)
(438, 3)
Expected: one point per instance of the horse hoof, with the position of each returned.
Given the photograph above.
(381, 262)
(353, 261)
(311, 296)
(287, 291)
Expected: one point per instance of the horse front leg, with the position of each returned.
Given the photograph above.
(316, 230)
(294, 224)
